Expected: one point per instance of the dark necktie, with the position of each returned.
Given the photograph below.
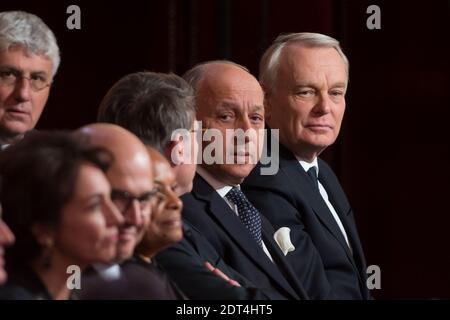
(312, 173)
(248, 214)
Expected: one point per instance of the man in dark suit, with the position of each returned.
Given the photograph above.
(154, 106)
(305, 79)
(230, 98)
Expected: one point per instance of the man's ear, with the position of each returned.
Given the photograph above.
(267, 105)
(175, 151)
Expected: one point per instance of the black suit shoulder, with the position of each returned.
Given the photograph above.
(184, 262)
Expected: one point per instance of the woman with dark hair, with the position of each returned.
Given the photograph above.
(56, 200)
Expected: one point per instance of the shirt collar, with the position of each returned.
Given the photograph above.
(108, 272)
(221, 188)
(308, 165)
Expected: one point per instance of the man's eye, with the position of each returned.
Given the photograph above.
(225, 117)
(337, 93)
(7, 74)
(256, 118)
(305, 93)
(38, 78)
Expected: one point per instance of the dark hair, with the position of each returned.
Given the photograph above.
(150, 105)
(38, 175)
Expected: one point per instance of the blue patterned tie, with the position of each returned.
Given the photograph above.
(248, 214)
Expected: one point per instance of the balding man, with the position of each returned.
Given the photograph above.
(131, 179)
(228, 97)
(152, 106)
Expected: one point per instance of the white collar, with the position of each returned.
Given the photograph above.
(108, 272)
(308, 165)
(221, 188)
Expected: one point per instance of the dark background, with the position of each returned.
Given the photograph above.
(393, 154)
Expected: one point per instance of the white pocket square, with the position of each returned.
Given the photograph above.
(283, 238)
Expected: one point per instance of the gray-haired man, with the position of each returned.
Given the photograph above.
(305, 77)
(29, 59)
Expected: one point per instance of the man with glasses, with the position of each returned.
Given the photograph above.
(29, 59)
(131, 179)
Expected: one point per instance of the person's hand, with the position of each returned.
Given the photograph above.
(220, 274)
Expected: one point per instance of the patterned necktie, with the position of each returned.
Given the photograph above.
(248, 214)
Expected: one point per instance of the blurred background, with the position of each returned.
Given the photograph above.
(393, 155)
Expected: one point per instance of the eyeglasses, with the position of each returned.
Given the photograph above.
(123, 199)
(11, 77)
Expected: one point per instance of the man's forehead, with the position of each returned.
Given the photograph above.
(22, 60)
(133, 181)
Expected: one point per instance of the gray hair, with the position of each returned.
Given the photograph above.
(151, 105)
(19, 28)
(194, 75)
(268, 66)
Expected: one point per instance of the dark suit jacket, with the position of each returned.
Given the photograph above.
(24, 284)
(322, 260)
(211, 215)
(137, 281)
(184, 262)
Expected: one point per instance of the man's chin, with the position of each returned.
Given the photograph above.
(125, 250)
(238, 172)
(12, 133)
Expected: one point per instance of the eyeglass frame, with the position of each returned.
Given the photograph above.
(129, 198)
(18, 77)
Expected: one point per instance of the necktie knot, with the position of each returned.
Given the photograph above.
(248, 214)
(312, 173)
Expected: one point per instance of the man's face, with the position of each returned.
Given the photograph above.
(130, 180)
(20, 105)
(233, 99)
(307, 102)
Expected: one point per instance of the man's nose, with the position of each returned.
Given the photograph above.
(323, 104)
(112, 215)
(22, 90)
(134, 214)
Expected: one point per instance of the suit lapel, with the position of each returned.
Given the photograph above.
(227, 219)
(302, 183)
(340, 203)
(279, 259)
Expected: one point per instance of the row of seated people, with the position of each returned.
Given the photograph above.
(121, 210)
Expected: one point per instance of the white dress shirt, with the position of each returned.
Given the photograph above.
(306, 166)
(109, 272)
(222, 189)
